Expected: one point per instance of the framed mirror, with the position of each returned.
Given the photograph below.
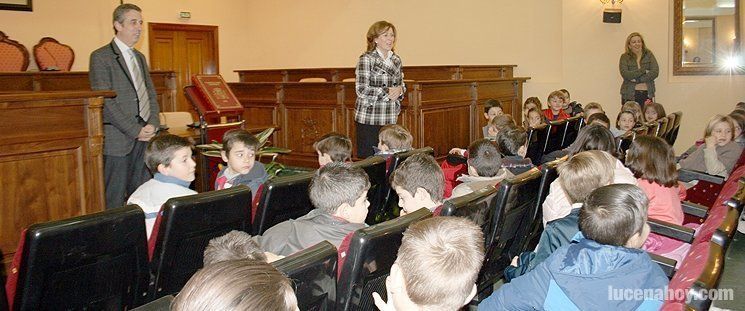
(706, 37)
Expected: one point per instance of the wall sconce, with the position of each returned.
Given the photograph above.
(611, 11)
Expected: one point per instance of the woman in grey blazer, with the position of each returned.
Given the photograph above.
(638, 68)
(379, 85)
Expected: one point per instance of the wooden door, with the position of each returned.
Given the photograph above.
(185, 49)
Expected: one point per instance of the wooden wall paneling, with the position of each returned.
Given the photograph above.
(164, 81)
(418, 73)
(261, 106)
(426, 73)
(441, 114)
(486, 71)
(50, 172)
(295, 75)
(309, 111)
(444, 114)
(268, 75)
(345, 73)
(13, 82)
(59, 81)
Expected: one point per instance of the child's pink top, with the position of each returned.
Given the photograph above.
(664, 202)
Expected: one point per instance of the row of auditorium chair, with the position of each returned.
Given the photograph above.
(102, 258)
(174, 251)
(556, 135)
(49, 54)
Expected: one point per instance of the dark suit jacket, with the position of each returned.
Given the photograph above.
(108, 71)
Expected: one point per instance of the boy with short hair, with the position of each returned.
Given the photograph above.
(592, 108)
(555, 109)
(169, 158)
(578, 177)
(492, 109)
(573, 108)
(234, 245)
(600, 119)
(437, 266)
(239, 152)
(339, 193)
(605, 256)
(393, 138)
(419, 183)
(333, 147)
(484, 168)
(512, 143)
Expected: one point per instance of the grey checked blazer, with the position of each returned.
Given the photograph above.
(373, 105)
(108, 71)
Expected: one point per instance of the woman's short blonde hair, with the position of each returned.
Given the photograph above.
(237, 285)
(376, 30)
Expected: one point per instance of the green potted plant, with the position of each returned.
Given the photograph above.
(272, 168)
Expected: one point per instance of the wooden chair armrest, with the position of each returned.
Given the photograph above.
(693, 209)
(667, 264)
(688, 175)
(670, 230)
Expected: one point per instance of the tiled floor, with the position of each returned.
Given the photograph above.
(734, 266)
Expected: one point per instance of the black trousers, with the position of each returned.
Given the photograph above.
(122, 175)
(639, 97)
(367, 138)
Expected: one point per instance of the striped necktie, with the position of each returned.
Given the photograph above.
(139, 82)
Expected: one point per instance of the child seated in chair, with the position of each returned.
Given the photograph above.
(591, 137)
(531, 103)
(235, 245)
(578, 177)
(393, 138)
(419, 183)
(534, 118)
(624, 123)
(484, 168)
(591, 109)
(572, 108)
(239, 151)
(602, 258)
(333, 147)
(492, 109)
(555, 110)
(237, 285)
(437, 266)
(496, 125)
(338, 192)
(719, 153)
(600, 119)
(512, 143)
(169, 158)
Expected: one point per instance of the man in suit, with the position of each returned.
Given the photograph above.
(131, 118)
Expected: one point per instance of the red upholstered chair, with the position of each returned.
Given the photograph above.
(13, 55)
(49, 54)
(700, 272)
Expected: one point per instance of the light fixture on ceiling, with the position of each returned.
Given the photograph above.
(611, 11)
